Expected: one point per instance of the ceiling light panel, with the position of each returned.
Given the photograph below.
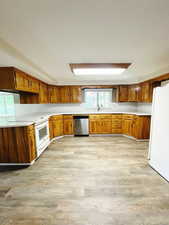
(98, 71)
(99, 68)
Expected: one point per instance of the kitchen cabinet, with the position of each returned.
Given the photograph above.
(43, 93)
(146, 92)
(65, 94)
(136, 126)
(133, 93)
(116, 123)
(122, 93)
(29, 98)
(56, 126)
(127, 123)
(54, 94)
(100, 124)
(141, 127)
(68, 125)
(13, 79)
(17, 144)
(76, 94)
(70, 94)
(40, 98)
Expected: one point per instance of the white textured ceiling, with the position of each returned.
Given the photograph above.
(43, 36)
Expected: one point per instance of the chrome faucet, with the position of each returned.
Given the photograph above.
(98, 108)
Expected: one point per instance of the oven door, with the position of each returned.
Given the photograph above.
(42, 137)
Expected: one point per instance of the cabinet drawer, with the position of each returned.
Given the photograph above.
(128, 116)
(116, 121)
(57, 117)
(67, 117)
(103, 116)
(116, 116)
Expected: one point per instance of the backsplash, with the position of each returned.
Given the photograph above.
(25, 109)
(144, 107)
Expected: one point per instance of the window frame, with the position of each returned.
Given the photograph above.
(95, 106)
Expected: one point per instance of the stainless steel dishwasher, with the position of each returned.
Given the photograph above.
(81, 125)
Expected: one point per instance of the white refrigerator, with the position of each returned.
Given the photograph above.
(159, 136)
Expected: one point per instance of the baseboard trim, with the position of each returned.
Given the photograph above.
(104, 135)
(17, 164)
(133, 138)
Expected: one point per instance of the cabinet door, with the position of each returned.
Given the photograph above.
(133, 93)
(106, 127)
(141, 127)
(21, 82)
(43, 93)
(76, 95)
(65, 94)
(123, 93)
(33, 85)
(93, 127)
(57, 128)
(54, 94)
(68, 128)
(146, 92)
(127, 126)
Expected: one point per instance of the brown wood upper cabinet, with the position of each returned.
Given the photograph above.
(65, 94)
(135, 93)
(70, 94)
(43, 93)
(76, 94)
(146, 92)
(14, 79)
(128, 93)
(54, 94)
(122, 93)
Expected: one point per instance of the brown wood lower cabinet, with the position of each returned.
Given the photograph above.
(116, 123)
(141, 127)
(127, 124)
(136, 126)
(17, 145)
(68, 125)
(100, 124)
(56, 126)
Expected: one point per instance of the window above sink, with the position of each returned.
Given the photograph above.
(98, 98)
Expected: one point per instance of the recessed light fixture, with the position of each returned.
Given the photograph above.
(99, 68)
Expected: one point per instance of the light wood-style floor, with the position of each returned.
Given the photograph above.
(86, 181)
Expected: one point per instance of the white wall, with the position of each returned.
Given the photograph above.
(24, 109)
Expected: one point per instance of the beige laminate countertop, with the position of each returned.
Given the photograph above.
(34, 118)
